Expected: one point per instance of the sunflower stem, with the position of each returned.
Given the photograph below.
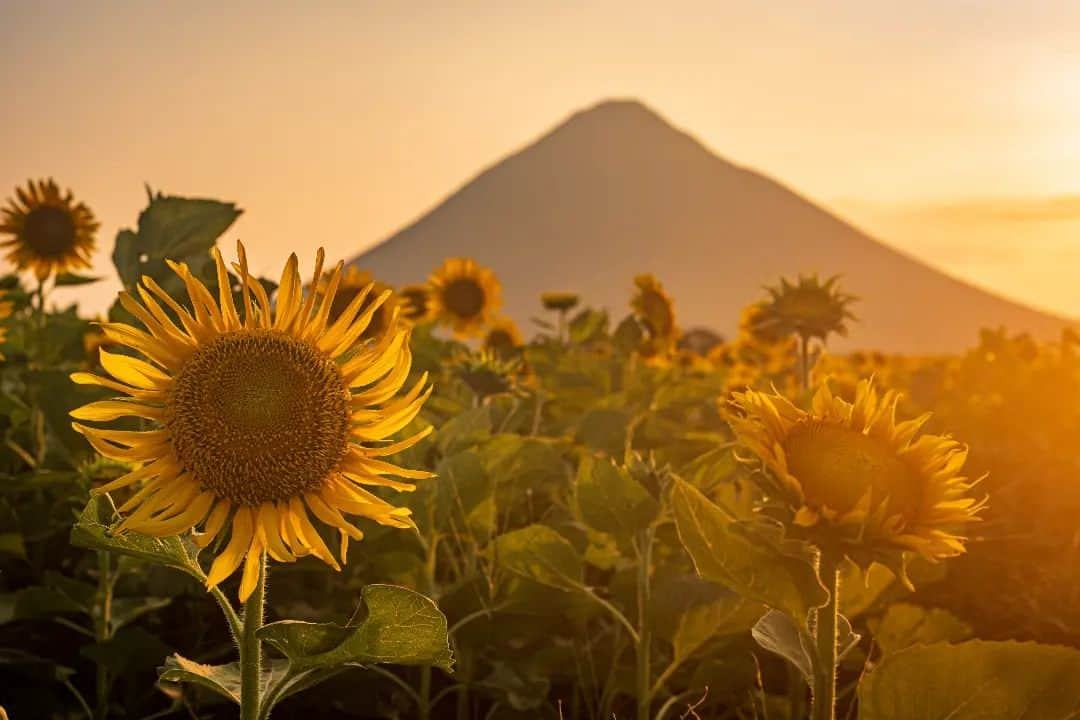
(824, 701)
(804, 361)
(644, 602)
(251, 648)
(103, 630)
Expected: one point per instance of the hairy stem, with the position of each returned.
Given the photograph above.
(824, 706)
(251, 649)
(103, 630)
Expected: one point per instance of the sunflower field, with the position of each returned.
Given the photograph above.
(296, 497)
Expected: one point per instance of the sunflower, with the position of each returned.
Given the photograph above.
(503, 337)
(809, 309)
(50, 232)
(415, 303)
(655, 311)
(259, 418)
(858, 480)
(464, 295)
(559, 301)
(355, 282)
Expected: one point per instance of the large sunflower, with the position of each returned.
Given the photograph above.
(809, 308)
(858, 480)
(356, 282)
(464, 295)
(259, 418)
(49, 232)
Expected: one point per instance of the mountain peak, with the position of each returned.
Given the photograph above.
(615, 190)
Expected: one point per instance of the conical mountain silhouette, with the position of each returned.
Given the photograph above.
(615, 191)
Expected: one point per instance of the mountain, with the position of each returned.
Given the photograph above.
(615, 190)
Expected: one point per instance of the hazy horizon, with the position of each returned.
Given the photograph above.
(951, 133)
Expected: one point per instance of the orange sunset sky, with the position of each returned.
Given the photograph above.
(950, 130)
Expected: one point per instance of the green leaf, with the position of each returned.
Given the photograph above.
(173, 228)
(11, 543)
(542, 555)
(778, 633)
(392, 625)
(588, 325)
(131, 649)
(611, 501)
(976, 680)
(904, 625)
(92, 531)
(605, 430)
(223, 680)
(703, 622)
(747, 557)
(67, 279)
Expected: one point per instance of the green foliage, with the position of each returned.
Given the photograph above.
(976, 680)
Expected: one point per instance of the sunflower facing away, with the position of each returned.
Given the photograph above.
(49, 232)
(809, 309)
(856, 478)
(464, 295)
(559, 301)
(655, 310)
(260, 418)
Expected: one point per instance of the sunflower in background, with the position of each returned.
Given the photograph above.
(48, 231)
(464, 296)
(360, 283)
(655, 311)
(861, 483)
(808, 309)
(259, 419)
(503, 337)
(415, 303)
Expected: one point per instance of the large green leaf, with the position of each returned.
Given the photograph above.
(92, 531)
(976, 680)
(542, 555)
(703, 622)
(747, 557)
(904, 625)
(173, 228)
(611, 501)
(392, 625)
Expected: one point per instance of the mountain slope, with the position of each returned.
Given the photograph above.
(615, 191)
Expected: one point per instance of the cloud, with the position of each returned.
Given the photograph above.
(1061, 208)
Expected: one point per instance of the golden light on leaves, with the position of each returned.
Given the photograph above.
(48, 231)
(857, 478)
(464, 295)
(259, 417)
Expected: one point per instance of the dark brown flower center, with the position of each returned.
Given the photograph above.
(464, 297)
(836, 466)
(257, 415)
(49, 230)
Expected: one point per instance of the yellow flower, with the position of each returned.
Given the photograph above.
(415, 303)
(809, 309)
(464, 295)
(260, 418)
(503, 337)
(355, 282)
(49, 231)
(655, 310)
(559, 301)
(855, 477)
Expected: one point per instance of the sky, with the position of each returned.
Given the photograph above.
(950, 130)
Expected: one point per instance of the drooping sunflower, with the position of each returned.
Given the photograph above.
(49, 231)
(415, 303)
(260, 418)
(503, 337)
(655, 310)
(808, 308)
(464, 295)
(355, 282)
(859, 481)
